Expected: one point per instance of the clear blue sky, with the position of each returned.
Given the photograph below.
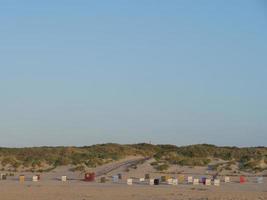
(181, 72)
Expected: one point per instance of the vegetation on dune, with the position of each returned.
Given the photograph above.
(160, 165)
(248, 159)
(47, 158)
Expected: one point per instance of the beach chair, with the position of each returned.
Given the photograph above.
(227, 179)
(189, 179)
(89, 177)
(3, 176)
(169, 181)
(120, 176)
(38, 177)
(35, 179)
(217, 182)
(203, 180)
(151, 181)
(163, 178)
(181, 179)
(21, 178)
(156, 181)
(115, 179)
(147, 176)
(196, 181)
(259, 180)
(242, 179)
(208, 182)
(63, 178)
(129, 181)
(174, 181)
(103, 179)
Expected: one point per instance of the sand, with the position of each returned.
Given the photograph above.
(51, 188)
(85, 191)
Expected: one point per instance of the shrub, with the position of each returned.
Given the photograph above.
(162, 167)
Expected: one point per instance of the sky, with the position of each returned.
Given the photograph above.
(168, 72)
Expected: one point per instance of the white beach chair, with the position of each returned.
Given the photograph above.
(208, 182)
(260, 180)
(196, 181)
(189, 179)
(217, 182)
(227, 179)
(175, 181)
(169, 181)
(129, 181)
(63, 178)
(35, 178)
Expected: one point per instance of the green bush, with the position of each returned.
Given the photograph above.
(162, 167)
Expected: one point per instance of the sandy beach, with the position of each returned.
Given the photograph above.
(47, 190)
(50, 186)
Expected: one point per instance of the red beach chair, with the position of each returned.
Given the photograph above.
(89, 177)
(242, 179)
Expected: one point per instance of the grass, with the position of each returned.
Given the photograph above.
(47, 158)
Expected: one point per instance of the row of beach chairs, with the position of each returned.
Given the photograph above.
(191, 180)
(163, 179)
